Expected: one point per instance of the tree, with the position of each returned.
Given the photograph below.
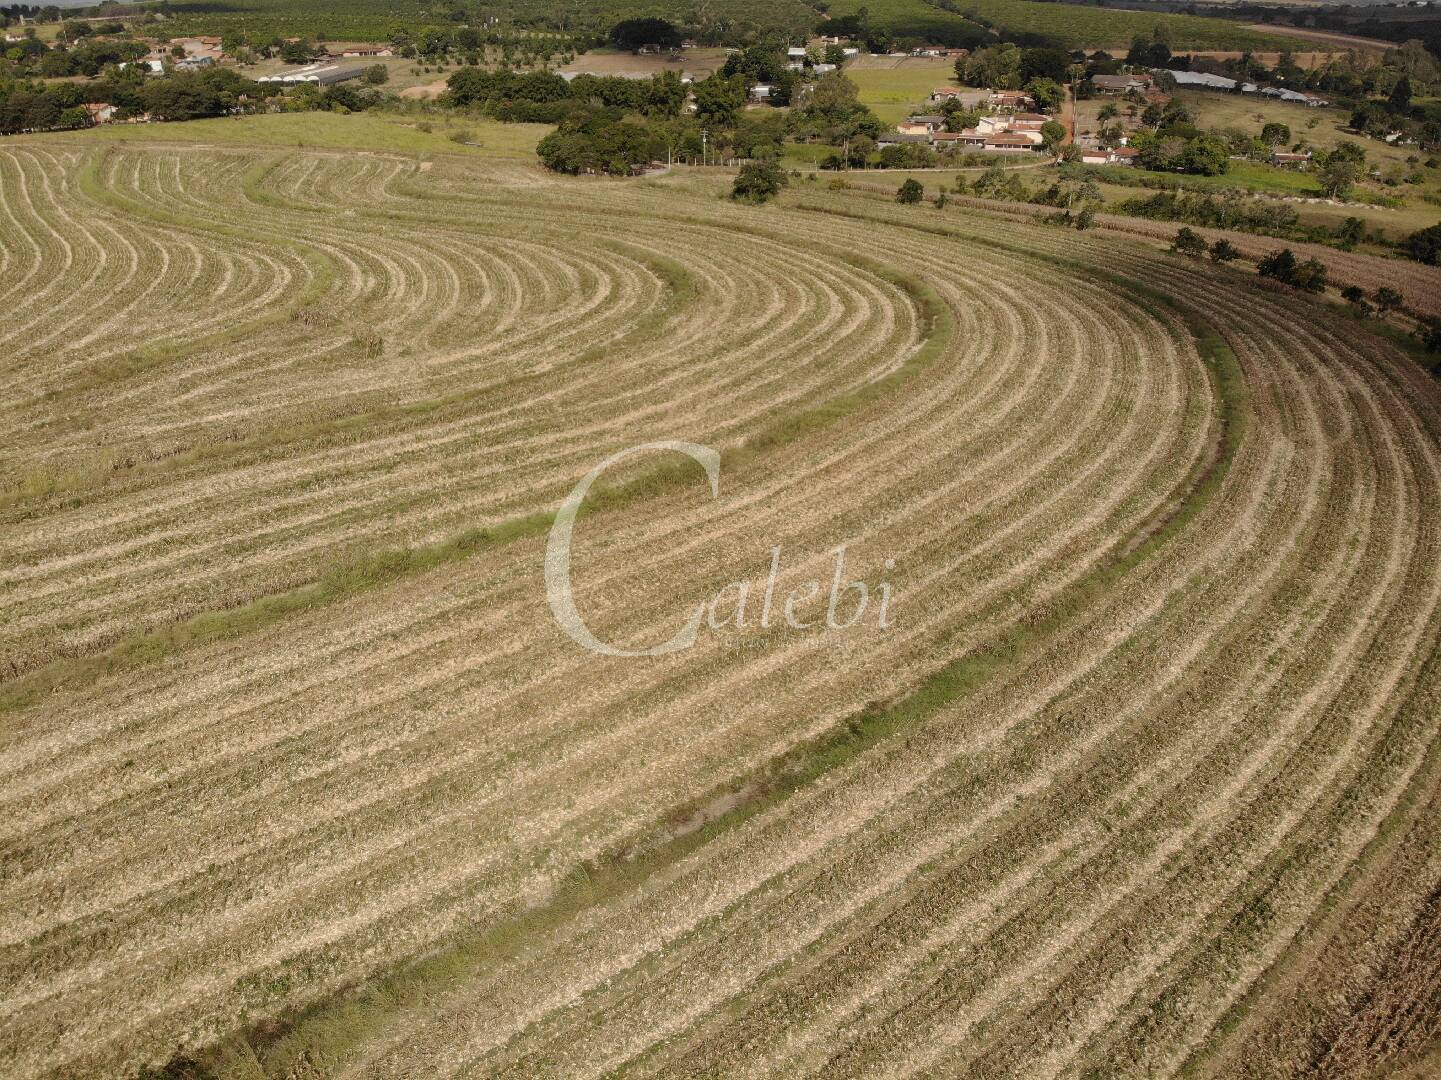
(1275, 134)
(377, 74)
(910, 193)
(1189, 242)
(996, 66)
(1110, 112)
(1053, 64)
(1356, 297)
(297, 52)
(1279, 265)
(758, 181)
(635, 34)
(1388, 299)
(1310, 276)
(1399, 101)
(1430, 335)
(1052, 135)
(719, 100)
(1223, 251)
(1085, 219)
(598, 143)
(1206, 155)
(1338, 173)
(1047, 94)
(1424, 245)
(1351, 232)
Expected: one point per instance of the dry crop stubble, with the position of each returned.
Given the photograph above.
(249, 825)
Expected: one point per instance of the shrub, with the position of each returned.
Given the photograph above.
(1424, 245)
(1282, 266)
(910, 192)
(1223, 251)
(1189, 242)
(759, 181)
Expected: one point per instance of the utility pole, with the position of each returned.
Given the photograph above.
(704, 135)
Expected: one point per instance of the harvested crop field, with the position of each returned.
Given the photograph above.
(300, 776)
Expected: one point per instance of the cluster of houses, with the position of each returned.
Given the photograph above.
(1010, 129)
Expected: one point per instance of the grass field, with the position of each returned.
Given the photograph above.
(301, 778)
(894, 88)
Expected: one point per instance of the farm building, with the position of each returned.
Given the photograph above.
(1200, 80)
(321, 74)
(100, 112)
(358, 51)
(1120, 84)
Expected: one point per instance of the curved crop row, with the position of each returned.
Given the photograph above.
(1165, 580)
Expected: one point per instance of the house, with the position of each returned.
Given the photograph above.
(993, 125)
(946, 93)
(1010, 100)
(795, 52)
(1120, 84)
(931, 122)
(355, 52)
(760, 92)
(101, 112)
(972, 138)
(795, 65)
(849, 52)
(194, 63)
(1286, 159)
(1008, 142)
(1120, 155)
(946, 139)
(1028, 121)
(823, 69)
